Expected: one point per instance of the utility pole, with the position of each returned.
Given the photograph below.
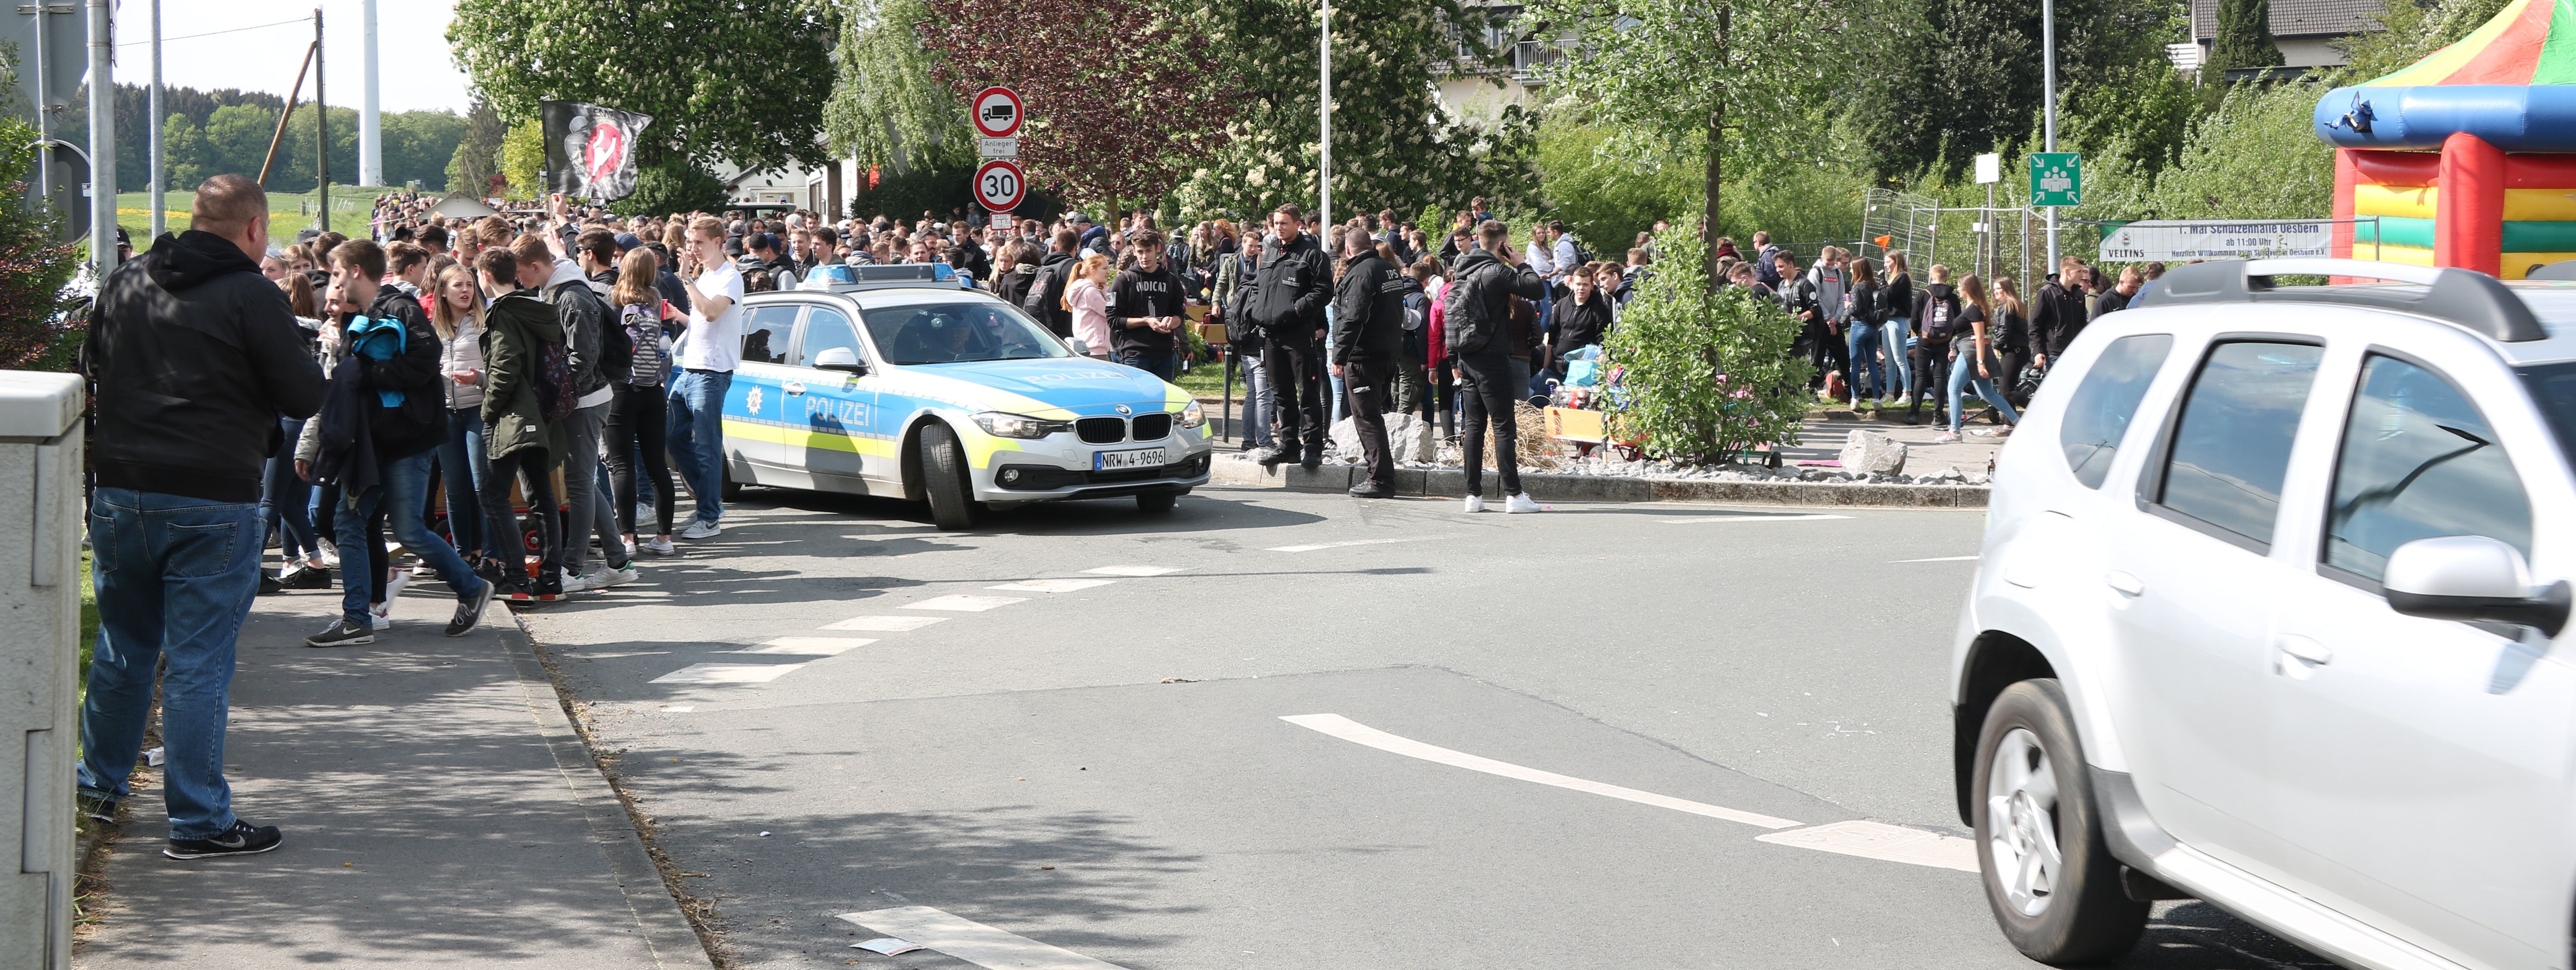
(2048, 111)
(102, 140)
(321, 133)
(371, 136)
(1324, 214)
(160, 222)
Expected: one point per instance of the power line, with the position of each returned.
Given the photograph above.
(210, 33)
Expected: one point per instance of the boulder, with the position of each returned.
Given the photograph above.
(1408, 436)
(1873, 452)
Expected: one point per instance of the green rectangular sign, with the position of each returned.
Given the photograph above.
(2056, 178)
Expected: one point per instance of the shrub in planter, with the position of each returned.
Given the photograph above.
(1701, 376)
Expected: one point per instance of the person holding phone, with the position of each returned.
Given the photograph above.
(707, 352)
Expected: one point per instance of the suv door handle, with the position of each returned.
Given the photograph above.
(2127, 585)
(2305, 649)
(795, 387)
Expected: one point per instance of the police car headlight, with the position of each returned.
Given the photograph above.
(1002, 424)
(1192, 417)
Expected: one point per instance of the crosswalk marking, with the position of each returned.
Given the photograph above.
(726, 674)
(1357, 733)
(1753, 518)
(1134, 570)
(1052, 585)
(973, 942)
(1942, 559)
(1884, 842)
(962, 603)
(809, 646)
(886, 624)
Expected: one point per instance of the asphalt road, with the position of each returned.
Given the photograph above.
(1519, 741)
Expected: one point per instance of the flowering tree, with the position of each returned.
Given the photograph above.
(1122, 96)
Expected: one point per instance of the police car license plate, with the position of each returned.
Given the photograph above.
(1112, 461)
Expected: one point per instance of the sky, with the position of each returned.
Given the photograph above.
(414, 71)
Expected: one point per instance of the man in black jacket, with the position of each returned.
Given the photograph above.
(2060, 314)
(393, 354)
(1287, 305)
(1145, 310)
(1368, 304)
(1478, 310)
(193, 356)
(1045, 297)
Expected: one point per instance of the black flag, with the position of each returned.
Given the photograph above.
(590, 150)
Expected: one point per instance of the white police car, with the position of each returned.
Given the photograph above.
(882, 380)
(2272, 612)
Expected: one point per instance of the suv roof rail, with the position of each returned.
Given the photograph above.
(2469, 300)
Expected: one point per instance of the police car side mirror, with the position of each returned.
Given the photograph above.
(1081, 347)
(841, 359)
(2472, 578)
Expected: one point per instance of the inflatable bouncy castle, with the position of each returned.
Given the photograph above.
(2468, 157)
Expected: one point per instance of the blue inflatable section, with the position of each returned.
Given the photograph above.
(2538, 118)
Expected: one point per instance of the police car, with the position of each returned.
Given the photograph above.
(901, 382)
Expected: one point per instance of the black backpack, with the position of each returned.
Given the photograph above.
(1468, 324)
(1940, 319)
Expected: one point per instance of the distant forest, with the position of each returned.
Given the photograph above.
(208, 133)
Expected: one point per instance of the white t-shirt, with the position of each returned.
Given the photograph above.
(714, 344)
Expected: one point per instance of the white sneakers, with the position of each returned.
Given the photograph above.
(1515, 504)
(1475, 503)
(600, 578)
(701, 529)
(657, 546)
(382, 613)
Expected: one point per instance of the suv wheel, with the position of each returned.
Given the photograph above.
(2050, 879)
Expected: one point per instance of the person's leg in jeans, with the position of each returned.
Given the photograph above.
(538, 490)
(175, 577)
(1367, 382)
(1861, 347)
(1257, 402)
(697, 435)
(285, 500)
(460, 474)
(323, 511)
(619, 442)
(1985, 388)
(603, 519)
(1896, 335)
(1471, 445)
(581, 477)
(405, 481)
(362, 574)
(652, 426)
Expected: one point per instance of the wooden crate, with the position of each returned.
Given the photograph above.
(1574, 424)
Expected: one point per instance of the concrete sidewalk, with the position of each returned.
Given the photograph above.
(438, 810)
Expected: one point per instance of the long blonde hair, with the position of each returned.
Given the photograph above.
(443, 314)
(1082, 271)
(635, 277)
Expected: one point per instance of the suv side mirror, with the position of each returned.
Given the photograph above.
(841, 359)
(2472, 578)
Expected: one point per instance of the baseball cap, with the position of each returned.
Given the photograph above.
(307, 234)
(627, 240)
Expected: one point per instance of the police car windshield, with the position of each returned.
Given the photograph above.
(957, 333)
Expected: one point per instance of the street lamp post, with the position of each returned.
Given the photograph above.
(102, 140)
(1324, 175)
(2048, 110)
(159, 223)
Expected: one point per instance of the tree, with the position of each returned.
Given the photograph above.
(478, 153)
(1704, 373)
(2244, 39)
(886, 109)
(1609, 185)
(739, 81)
(38, 330)
(523, 159)
(1122, 99)
(671, 187)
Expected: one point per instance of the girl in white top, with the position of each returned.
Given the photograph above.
(1088, 297)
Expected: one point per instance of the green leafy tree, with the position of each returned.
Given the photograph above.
(2244, 39)
(1702, 374)
(669, 188)
(1608, 184)
(478, 151)
(239, 133)
(38, 328)
(886, 110)
(523, 159)
(183, 153)
(739, 81)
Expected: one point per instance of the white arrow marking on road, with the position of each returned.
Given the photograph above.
(1942, 559)
(971, 941)
(1352, 542)
(1357, 733)
(1134, 570)
(886, 624)
(1052, 585)
(1755, 518)
(965, 604)
(1879, 840)
(726, 674)
(809, 646)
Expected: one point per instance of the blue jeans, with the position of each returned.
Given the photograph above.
(406, 480)
(1963, 374)
(1861, 341)
(1256, 402)
(696, 441)
(175, 577)
(1164, 364)
(462, 469)
(283, 498)
(1898, 337)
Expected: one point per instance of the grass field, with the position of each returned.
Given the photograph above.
(286, 213)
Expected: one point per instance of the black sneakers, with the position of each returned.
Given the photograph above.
(305, 577)
(1275, 456)
(469, 611)
(94, 808)
(1371, 490)
(268, 584)
(241, 839)
(341, 633)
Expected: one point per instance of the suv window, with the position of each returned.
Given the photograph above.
(2418, 461)
(2098, 416)
(826, 328)
(2231, 444)
(765, 331)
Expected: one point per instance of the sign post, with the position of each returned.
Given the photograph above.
(999, 183)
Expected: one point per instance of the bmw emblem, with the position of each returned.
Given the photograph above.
(1123, 409)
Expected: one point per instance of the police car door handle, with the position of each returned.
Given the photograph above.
(795, 387)
(2127, 585)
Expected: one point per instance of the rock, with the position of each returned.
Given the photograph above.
(1407, 435)
(1873, 453)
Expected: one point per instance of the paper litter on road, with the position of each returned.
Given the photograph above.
(887, 945)
(152, 757)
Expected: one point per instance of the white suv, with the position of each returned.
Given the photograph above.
(2272, 613)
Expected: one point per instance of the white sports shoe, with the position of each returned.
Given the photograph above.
(582, 583)
(1520, 503)
(384, 611)
(658, 546)
(1475, 503)
(701, 529)
(606, 577)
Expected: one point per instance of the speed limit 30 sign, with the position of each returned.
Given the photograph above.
(1000, 185)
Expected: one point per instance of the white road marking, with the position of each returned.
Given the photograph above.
(965, 604)
(886, 624)
(971, 941)
(1134, 570)
(679, 708)
(1357, 733)
(1942, 559)
(1754, 518)
(809, 646)
(1351, 542)
(1052, 585)
(726, 674)
(1879, 840)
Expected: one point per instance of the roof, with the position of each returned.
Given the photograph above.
(457, 206)
(2297, 18)
(2511, 82)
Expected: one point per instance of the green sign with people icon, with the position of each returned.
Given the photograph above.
(2056, 178)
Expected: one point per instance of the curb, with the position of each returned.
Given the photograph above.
(1555, 487)
(665, 927)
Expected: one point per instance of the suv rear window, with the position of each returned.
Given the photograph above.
(2231, 445)
(2098, 416)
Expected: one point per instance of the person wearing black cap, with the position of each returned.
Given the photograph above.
(765, 255)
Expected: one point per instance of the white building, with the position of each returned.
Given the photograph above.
(2304, 30)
